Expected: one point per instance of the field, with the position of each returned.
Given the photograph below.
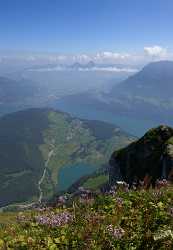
(120, 219)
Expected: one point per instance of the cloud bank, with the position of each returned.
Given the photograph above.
(88, 69)
(148, 54)
(156, 51)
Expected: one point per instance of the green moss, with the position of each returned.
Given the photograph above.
(151, 134)
(170, 141)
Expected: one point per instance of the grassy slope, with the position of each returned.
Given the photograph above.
(76, 141)
(144, 217)
(94, 183)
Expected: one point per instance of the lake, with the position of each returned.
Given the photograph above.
(70, 174)
(136, 127)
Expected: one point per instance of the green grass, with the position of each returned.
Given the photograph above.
(95, 182)
(133, 220)
(170, 141)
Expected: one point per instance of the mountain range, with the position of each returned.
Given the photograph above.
(144, 95)
(89, 66)
(42, 85)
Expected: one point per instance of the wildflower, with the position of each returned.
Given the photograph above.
(141, 183)
(54, 220)
(134, 187)
(123, 186)
(161, 183)
(171, 211)
(116, 232)
(21, 218)
(2, 244)
(81, 189)
(120, 182)
(40, 209)
(84, 196)
(30, 240)
(119, 201)
(157, 194)
(163, 234)
(62, 199)
(112, 191)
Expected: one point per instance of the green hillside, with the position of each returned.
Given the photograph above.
(35, 144)
(121, 220)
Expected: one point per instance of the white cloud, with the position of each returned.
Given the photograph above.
(156, 51)
(147, 54)
(111, 57)
(83, 58)
(94, 68)
(111, 69)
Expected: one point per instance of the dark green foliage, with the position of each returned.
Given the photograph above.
(101, 130)
(21, 162)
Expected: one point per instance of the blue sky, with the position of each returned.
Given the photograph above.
(85, 26)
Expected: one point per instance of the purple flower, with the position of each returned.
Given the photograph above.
(116, 232)
(161, 183)
(62, 199)
(119, 201)
(54, 220)
(84, 196)
(171, 211)
(113, 190)
(81, 189)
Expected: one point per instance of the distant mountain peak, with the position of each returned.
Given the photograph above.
(78, 65)
(155, 79)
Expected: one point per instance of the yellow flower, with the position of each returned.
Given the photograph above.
(57, 240)
(160, 204)
(1, 244)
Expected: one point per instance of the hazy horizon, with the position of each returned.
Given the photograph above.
(107, 31)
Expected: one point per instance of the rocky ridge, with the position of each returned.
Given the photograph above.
(149, 158)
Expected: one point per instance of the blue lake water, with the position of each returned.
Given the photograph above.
(70, 174)
(133, 126)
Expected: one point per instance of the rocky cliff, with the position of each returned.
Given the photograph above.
(150, 157)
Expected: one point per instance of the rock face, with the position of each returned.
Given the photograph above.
(150, 156)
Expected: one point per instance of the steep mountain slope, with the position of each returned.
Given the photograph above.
(151, 156)
(149, 92)
(35, 144)
(154, 80)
